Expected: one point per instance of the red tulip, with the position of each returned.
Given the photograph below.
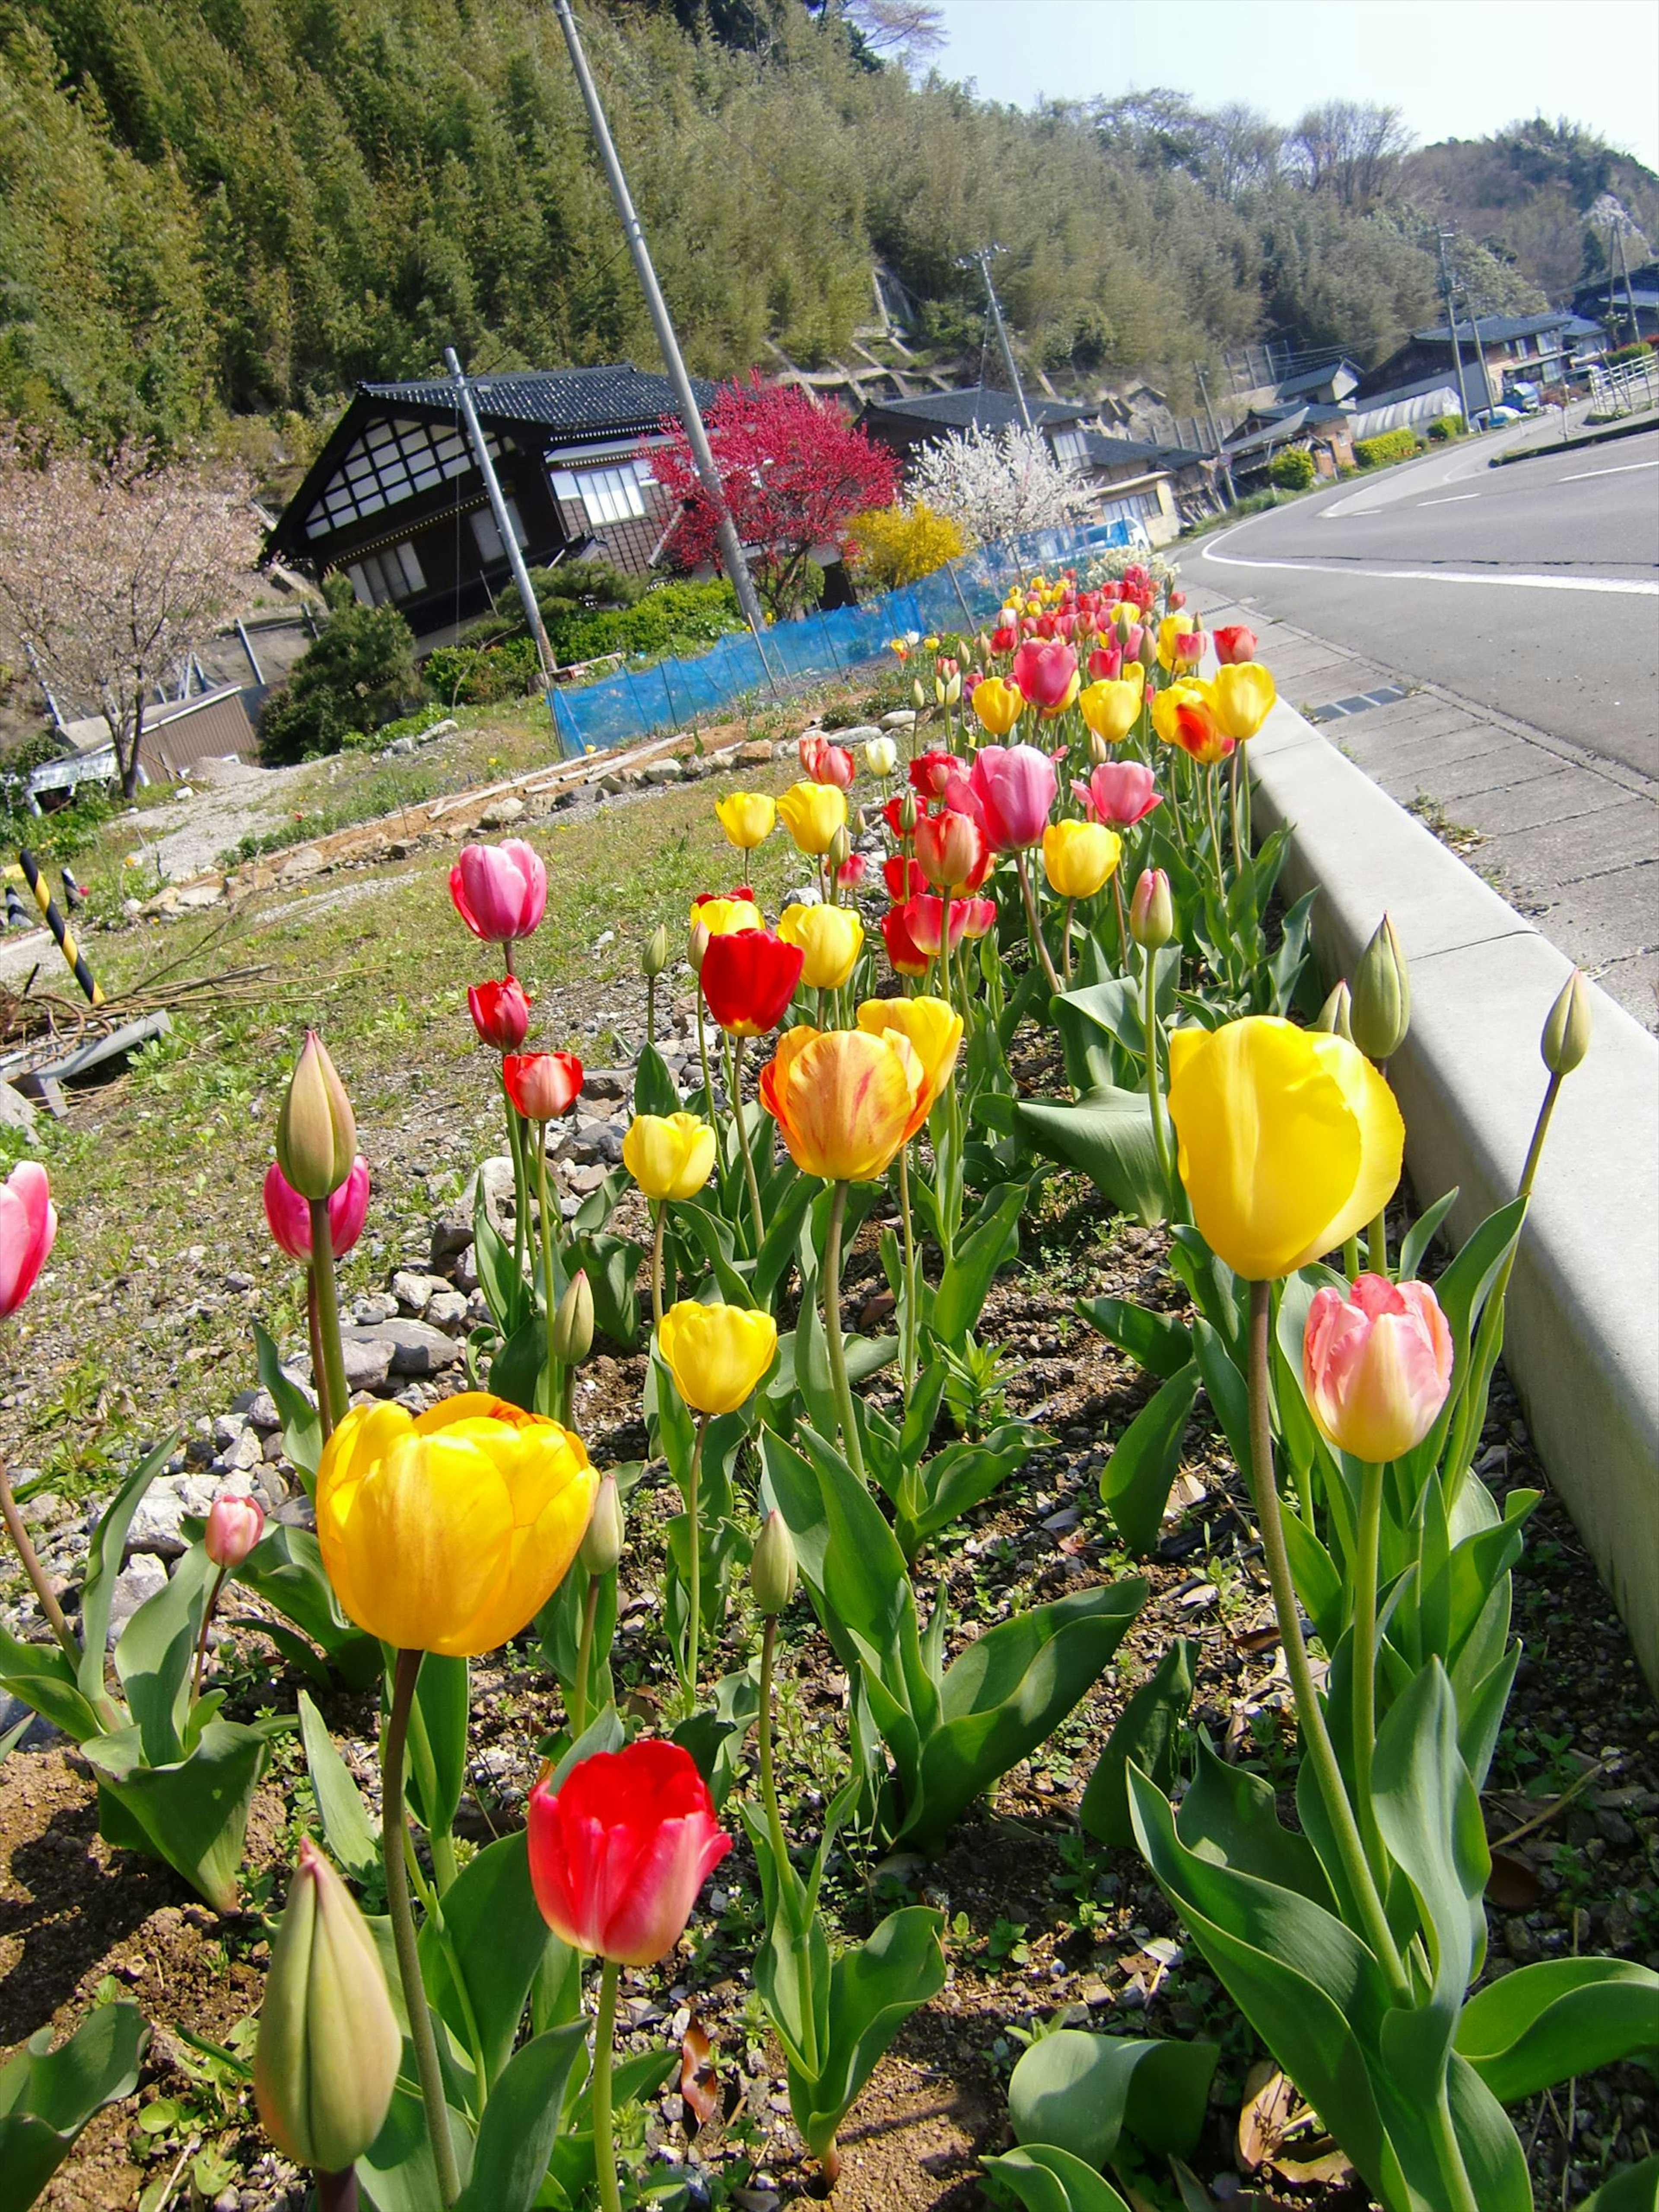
(1046, 674)
(852, 871)
(500, 890)
(952, 851)
(618, 1855)
(924, 922)
(1234, 644)
(741, 894)
(825, 762)
(906, 956)
(28, 1224)
(500, 1013)
(1119, 793)
(1004, 638)
(1015, 786)
(902, 878)
(931, 773)
(234, 1526)
(749, 978)
(1106, 663)
(288, 1216)
(1177, 599)
(979, 917)
(543, 1085)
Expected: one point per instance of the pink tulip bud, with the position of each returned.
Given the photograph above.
(499, 891)
(234, 1526)
(1151, 910)
(1177, 599)
(289, 1216)
(1234, 645)
(29, 1224)
(1377, 1365)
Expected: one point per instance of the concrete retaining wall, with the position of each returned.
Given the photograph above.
(1583, 1334)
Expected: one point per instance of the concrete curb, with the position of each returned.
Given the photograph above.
(1582, 1330)
(1634, 428)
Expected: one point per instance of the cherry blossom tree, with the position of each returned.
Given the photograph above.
(996, 484)
(112, 573)
(794, 472)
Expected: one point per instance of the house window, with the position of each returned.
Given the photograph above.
(391, 461)
(1134, 506)
(1071, 448)
(394, 573)
(489, 538)
(611, 494)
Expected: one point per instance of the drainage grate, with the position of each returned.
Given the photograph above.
(1340, 709)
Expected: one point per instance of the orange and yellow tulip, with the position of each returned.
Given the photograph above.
(845, 1099)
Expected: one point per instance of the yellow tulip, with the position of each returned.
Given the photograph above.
(747, 817)
(998, 704)
(1079, 857)
(724, 917)
(845, 1099)
(829, 938)
(1176, 626)
(1111, 707)
(716, 1354)
(1290, 1140)
(669, 1156)
(811, 813)
(1241, 698)
(933, 1032)
(449, 1531)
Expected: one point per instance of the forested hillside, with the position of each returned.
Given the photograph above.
(238, 207)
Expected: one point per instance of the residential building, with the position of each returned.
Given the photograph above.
(395, 501)
(1162, 487)
(1320, 429)
(1538, 348)
(905, 425)
(1636, 293)
(1333, 384)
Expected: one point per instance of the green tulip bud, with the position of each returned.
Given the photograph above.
(698, 946)
(841, 846)
(774, 1570)
(918, 695)
(654, 958)
(329, 2048)
(1332, 1016)
(316, 1130)
(573, 1322)
(908, 815)
(602, 1547)
(1381, 1011)
(1567, 1031)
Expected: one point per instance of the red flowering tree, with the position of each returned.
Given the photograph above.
(794, 472)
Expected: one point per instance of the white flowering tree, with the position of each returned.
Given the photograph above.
(112, 573)
(996, 484)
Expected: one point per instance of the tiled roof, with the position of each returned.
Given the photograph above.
(982, 406)
(1119, 453)
(1309, 379)
(610, 398)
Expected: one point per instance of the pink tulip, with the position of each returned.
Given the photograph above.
(824, 762)
(28, 1224)
(500, 890)
(289, 1216)
(1233, 645)
(234, 1526)
(1119, 793)
(979, 918)
(852, 871)
(1106, 663)
(1045, 673)
(1377, 1365)
(1015, 787)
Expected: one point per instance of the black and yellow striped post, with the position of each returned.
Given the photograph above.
(59, 928)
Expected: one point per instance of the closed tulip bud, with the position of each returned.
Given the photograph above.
(573, 1322)
(1147, 654)
(316, 1130)
(326, 2061)
(602, 1547)
(1567, 1032)
(1151, 910)
(698, 945)
(654, 958)
(1332, 1016)
(880, 756)
(774, 1570)
(234, 1526)
(1381, 1012)
(908, 815)
(841, 847)
(918, 695)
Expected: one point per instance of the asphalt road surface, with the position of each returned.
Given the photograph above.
(1532, 589)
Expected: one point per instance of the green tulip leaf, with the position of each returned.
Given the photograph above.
(873, 1990)
(156, 1653)
(1225, 1388)
(1546, 2022)
(286, 1568)
(482, 1952)
(437, 1741)
(1108, 1136)
(975, 1258)
(302, 1425)
(192, 1812)
(347, 1829)
(1158, 1341)
(520, 2124)
(515, 1371)
(1081, 2091)
(785, 1213)
(1045, 2178)
(1635, 2190)
(104, 1559)
(611, 1264)
(41, 1675)
(1148, 1732)
(47, 2096)
(1136, 1480)
(655, 1089)
(962, 1476)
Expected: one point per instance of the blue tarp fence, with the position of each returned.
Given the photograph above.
(637, 703)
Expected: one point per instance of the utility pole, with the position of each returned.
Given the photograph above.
(1474, 332)
(509, 537)
(1451, 323)
(737, 567)
(1630, 296)
(982, 260)
(1227, 491)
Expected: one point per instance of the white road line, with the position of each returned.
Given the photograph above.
(1621, 586)
(1450, 499)
(1627, 469)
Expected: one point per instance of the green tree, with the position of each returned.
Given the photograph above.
(359, 673)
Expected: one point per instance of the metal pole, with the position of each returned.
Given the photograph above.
(1630, 296)
(1228, 492)
(252, 658)
(983, 258)
(532, 613)
(1451, 323)
(737, 567)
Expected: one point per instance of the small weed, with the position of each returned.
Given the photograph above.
(1457, 836)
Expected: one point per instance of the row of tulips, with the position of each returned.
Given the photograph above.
(443, 2056)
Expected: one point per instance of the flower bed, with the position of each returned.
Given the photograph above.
(695, 1659)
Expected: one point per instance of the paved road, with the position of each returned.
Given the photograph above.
(1532, 589)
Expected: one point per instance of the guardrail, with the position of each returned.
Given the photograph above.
(1631, 386)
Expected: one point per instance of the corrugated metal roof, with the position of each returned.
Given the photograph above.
(1309, 379)
(611, 397)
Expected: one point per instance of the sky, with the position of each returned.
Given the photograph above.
(1455, 68)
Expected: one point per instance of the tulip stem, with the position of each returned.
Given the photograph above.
(651, 1012)
(314, 1335)
(1237, 777)
(550, 1294)
(703, 1055)
(908, 1336)
(851, 1442)
(1364, 1659)
(394, 1833)
(337, 2192)
(1211, 780)
(1038, 941)
(1310, 1719)
(1149, 1022)
(328, 1312)
(52, 1612)
(1376, 1243)
(659, 1222)
(520, 1179)
(1122, 920)
(1066, 940)
(605, 2140)
(579, 1699)
(201, 1641)
(694, 1625)
(769, 1786)
(744, 1146)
